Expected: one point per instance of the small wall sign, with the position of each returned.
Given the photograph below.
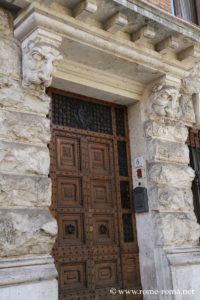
(139, 162)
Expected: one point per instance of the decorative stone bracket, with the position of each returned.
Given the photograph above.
(167, 102)
(40, 53)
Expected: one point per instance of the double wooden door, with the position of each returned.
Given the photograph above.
(96, 247)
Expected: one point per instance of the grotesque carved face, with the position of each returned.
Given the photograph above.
(39, 60)
(164, 100)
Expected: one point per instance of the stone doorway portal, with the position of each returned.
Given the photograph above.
(96, 248)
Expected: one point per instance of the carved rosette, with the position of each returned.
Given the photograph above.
(39, 59)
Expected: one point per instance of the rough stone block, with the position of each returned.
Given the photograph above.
(177, 229)
(26, 231)
(23, 159)
(5, 22)
(12, 96)
(168, 152)
(24, 191)
(187, 109)
(171, 199)
(10, 58)
(24, 127)
(171, 175)
(168, 131)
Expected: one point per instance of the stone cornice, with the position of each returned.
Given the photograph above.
(162, 17)
(150, 11)
(68, 27)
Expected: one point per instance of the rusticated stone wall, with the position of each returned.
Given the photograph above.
(170, 229)
(168, 114)
(26, 225)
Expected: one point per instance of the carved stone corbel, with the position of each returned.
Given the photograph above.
(40, 54)
(168, 102)
(163, 101)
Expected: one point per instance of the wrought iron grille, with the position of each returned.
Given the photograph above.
(127, 227)
(122, 158)
(76, 113)
(194, 148)
(125, 194)
(120, 124)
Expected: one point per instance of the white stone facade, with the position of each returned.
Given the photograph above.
(68, 48)
(27, 229)
(172, 226)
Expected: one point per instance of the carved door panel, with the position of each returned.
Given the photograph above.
(96, 248)
(70, 208)
(103, 218)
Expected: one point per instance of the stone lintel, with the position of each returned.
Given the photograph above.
(99, 83)
(116, 23)
(169, 44)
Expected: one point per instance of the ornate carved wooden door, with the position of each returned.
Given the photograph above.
(96, 248)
